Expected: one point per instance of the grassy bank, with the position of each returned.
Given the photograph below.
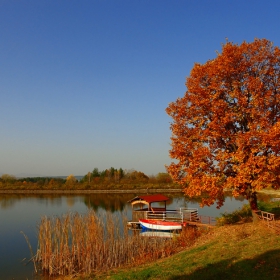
(243, 251)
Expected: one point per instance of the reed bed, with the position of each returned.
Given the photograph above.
(84, 244)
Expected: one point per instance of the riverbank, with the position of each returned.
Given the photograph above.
(243, 251)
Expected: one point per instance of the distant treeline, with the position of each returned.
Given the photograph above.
(107, 179)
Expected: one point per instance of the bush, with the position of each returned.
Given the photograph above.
(244, 214)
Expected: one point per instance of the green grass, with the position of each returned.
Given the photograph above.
(272, 207)
(241, 251)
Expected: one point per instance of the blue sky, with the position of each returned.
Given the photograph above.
(85, 84)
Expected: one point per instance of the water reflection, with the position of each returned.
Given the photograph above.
(109, 202)
(7, 202)
(106, 201)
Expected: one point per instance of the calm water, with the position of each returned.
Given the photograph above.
(23, 212)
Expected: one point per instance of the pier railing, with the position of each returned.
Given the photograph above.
(207, 220)
(181, 215)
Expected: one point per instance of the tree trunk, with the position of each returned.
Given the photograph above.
(254, 205)
(253, 201)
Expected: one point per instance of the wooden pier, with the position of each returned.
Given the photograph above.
(188, 216)
(184, 216)
(198, 223)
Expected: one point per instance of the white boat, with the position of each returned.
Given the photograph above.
(159, 225)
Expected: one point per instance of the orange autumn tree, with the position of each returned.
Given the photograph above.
(226, 128)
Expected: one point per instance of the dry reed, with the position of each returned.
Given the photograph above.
(86, 244)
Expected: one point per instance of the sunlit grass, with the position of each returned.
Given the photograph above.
(241, 251)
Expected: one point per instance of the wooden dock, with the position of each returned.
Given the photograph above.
(203, 221)
(147, 210)
(199, 224)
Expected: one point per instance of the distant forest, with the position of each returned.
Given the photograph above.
(107, 179)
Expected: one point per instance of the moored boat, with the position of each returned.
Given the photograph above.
(160, 225)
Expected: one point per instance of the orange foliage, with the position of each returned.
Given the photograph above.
(226, 128)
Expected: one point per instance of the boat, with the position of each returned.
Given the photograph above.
(147, 215)
(160, 225)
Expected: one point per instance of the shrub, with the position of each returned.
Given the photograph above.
(244, 214)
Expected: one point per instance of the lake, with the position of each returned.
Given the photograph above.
(22, 213)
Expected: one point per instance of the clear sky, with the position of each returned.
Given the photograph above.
(85, 83)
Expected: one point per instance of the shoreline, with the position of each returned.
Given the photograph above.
(82, 191)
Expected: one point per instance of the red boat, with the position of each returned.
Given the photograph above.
(159, 225)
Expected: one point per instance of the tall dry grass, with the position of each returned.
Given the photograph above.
(85, 244)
